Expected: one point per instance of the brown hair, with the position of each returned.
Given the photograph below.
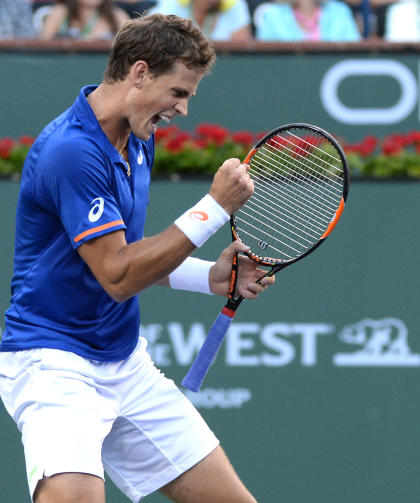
(161, 41)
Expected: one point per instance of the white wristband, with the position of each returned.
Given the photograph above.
(192, 275)
(202, 220)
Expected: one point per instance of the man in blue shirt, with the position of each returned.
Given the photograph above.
(74, 374)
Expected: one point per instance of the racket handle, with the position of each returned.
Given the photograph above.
(195, 376)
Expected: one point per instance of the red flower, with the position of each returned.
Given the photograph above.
(204, 130)
(27, 140)
(398, 138)
(212, 132)
(176, 143)
(368, 145)
(6, 145)
(164, 132)
(413, 138)
(245, 138)
(199, 143)
(354, 147)
(392, 145)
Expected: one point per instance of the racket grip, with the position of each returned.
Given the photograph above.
(195, 376)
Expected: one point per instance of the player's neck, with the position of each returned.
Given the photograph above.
(107, 105)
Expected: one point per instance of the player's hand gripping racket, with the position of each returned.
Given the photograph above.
(301, 183)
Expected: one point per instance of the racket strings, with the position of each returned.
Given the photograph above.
(297, 199)
(308, 153)
(291, 234)
(272, 247)
(299, 171)
(318, 162)
(296, 190)
(298, 168)
(279, 210)
(298, 187)
(303, 229)
(280, 234)
(316, 224)
(315, 147)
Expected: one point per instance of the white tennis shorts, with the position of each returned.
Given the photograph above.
(79, 415)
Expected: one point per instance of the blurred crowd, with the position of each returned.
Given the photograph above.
(239, 21)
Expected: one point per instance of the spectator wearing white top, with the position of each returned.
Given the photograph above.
(220, 20)
(402, 22)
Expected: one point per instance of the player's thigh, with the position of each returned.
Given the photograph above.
(211, 480)
(70, 488)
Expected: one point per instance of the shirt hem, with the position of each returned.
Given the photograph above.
(99, 355)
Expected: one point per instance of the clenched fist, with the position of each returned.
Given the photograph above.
(232, 186)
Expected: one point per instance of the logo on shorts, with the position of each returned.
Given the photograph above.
(200, 216)
(97, 209)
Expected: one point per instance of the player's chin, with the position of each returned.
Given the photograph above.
(143, 135)
(145, 131)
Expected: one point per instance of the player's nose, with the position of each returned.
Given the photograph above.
(182, 107)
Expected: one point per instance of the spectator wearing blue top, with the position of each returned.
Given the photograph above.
(219, 20)
(306, 20)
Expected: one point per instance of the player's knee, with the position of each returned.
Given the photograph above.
(70, 488)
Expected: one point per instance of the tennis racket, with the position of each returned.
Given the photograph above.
(301, 182)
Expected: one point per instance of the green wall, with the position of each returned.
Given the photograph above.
(377, 91)
(306, 414)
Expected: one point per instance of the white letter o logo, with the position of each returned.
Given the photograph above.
(359, 67)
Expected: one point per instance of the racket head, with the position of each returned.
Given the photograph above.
(301, 184)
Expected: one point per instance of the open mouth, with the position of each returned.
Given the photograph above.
(160, 117)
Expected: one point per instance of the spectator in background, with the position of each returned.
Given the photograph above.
(402, 22)
(16, 19)
(220, 20)
(306, 20)
(135, 7)
(83, 19)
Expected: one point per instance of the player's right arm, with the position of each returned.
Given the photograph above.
(124, 269)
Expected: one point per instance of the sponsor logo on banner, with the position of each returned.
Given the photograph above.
(379, 343)
(360, 70)
(369, 343)
(366, 343)
(222, 398)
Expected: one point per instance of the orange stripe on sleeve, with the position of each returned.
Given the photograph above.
(97, 229)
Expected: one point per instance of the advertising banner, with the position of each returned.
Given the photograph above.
(314, 394)
(351, 94)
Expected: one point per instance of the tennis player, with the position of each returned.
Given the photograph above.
(74, 373)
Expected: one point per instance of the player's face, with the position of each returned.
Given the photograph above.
(161, 98)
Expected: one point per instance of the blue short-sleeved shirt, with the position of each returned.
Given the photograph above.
(75, 186)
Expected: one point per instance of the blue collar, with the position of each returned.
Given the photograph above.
(90, 124)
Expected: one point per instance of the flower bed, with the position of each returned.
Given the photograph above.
(200, 153)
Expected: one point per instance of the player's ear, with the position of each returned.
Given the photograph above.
(139, 71)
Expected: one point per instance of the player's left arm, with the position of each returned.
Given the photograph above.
(219, 275)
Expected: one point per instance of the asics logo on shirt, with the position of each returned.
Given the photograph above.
(97, 209)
